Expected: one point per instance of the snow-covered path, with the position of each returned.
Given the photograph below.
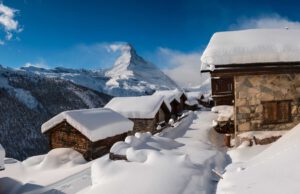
(200, 150)
(183, 170)
(71, 184)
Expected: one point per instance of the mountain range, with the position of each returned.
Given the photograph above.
(29, 96)
(130, 75)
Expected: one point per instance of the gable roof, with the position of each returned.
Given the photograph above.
(95, 124)
(252, 46)
(170, 94)
(142, 107)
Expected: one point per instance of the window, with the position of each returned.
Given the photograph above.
(222, 85)
(276, 112)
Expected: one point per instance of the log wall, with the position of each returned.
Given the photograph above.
(65, 136)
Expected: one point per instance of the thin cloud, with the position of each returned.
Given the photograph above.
(41, 64)
(274, 21)
(8, 22)
(183, 68)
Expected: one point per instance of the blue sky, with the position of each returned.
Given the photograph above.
(73, 33)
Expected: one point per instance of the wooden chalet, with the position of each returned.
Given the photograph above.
(182, 98)
(91, 132)
(176, 100)
(148, 113)
(259, 75)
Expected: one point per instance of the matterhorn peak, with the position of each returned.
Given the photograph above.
(123, 48)
(123, 67)
(133, 72)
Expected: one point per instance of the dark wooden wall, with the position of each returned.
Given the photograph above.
(150, 125)
(222, 90)
(64, 135)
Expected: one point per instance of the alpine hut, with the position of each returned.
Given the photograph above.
(89, 131)
(175, 98)
(149, 113)
(258, 72)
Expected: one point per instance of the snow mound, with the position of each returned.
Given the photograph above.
(144, 107)
(274, 170)
(95, 124)
(225, 112)
(136, 147)
(136, 178)
(56, 158)
(252, 46)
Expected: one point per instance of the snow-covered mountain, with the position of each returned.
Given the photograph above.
(28, 100)
(130, 75)
(134, 74)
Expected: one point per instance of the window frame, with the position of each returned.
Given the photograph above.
(289, 120)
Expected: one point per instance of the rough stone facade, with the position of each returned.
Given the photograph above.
(252, 90)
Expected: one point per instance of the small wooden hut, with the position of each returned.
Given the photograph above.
(149, 113)
(175, 98)
(91, 132)
(182, 99)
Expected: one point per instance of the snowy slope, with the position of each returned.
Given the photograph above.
(274, 170)
(130, 75)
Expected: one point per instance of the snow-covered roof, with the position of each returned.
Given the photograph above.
(193, 95)
(252, 46)
(191, 102)
(95, 124)
(170, 95)
(142, 107)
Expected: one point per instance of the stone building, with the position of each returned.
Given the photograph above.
(91, 132)
(258, 72)
(149, 113)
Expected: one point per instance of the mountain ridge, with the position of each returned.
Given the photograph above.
(131, 75)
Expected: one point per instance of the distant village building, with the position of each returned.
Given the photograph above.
(258, 72)
(175, 98)
(2, 157)
(91, 132)
(147, 112)
(192, 102)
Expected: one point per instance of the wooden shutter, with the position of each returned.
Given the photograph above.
(284, 111)
(269, 112)
(276, 112)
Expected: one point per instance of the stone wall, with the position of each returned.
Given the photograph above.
(251, 90)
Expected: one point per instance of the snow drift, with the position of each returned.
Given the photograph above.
(275, 170)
